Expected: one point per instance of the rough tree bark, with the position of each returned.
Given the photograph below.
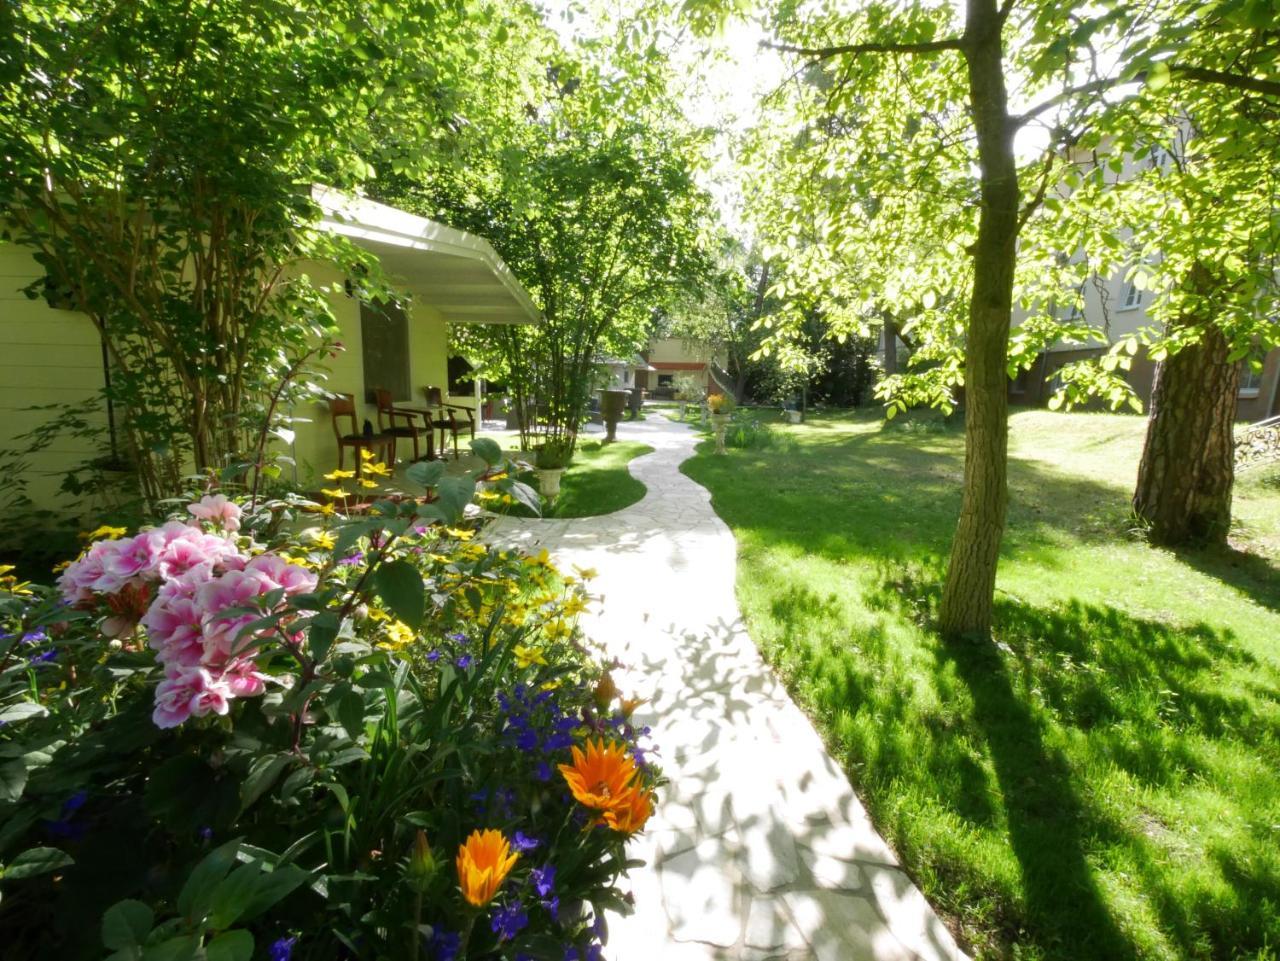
(968, 594)
(1187, 469)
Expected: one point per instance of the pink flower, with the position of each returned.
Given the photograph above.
(234, 589)
(175, 631)
(190, 549)
(242, 679)
(293, 578)
(189, 692)
(217, 510)
(136, 557)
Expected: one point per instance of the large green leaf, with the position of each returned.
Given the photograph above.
(36, 861)
(400, 586)
(126, 924)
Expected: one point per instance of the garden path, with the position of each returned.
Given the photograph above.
(759, 848)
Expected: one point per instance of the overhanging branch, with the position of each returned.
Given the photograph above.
(826, 53)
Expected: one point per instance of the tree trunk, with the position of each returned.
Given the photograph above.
(889, 338)
(969, 592)
(1187, 468)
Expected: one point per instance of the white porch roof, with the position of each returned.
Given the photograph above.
(456, 272)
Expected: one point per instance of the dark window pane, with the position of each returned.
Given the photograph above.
(384, 337)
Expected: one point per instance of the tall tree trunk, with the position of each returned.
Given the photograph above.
(889, 338)
(969, 592)
(1188, 462)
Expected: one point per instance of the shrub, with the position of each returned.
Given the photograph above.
(238, 731)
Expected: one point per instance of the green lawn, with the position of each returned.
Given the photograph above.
(1104, 782)
(598, 481)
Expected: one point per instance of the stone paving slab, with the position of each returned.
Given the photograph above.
(759, 850)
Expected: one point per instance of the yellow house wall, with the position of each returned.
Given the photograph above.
(50, 356)
(47, 357)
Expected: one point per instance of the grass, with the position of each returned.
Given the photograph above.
(597, 482)
(1104, 781)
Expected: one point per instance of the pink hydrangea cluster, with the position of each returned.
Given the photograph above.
(194, 592)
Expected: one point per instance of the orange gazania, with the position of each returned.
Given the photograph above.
(484, 862)
(630, 810)
(600, 775)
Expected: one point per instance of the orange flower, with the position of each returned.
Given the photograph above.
(630, 811)
(601, 775)
(484, 862)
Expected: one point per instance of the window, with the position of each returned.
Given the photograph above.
(666, 380)
(1132, 297)
(384, 341)
(1251, 374)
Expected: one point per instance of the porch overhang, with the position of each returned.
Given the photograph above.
(457, 273)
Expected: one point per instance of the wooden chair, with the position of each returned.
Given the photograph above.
(446, 421)
(402, 423)
(344, 406)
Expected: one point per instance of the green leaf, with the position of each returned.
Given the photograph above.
(525, 494)
(273, 887)
(455, 494)
(263, 773)
(126, 924)
(230, 946)
(487, 449)
(34, 862)
(1158, 75)
(196, 898)
(182, 948)
(21, 711)
(400, 586)
(426, 473)
(350, 714)
(322, 633)
(13, 778)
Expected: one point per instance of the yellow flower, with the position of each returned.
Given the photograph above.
(574, 605)
(103, 532)
(334, 492)
(399, 634)
(557, 630)
(483, 863)
(340, 475)
(586, 573)
(528, 656)
(322, 539)
(599, 776)
(462, 535)
(366, 483)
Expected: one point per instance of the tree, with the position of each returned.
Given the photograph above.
(594, 205)
(898, 90)
(159, 158)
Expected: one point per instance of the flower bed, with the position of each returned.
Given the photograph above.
(234, 735)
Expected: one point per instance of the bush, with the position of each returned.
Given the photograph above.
(371, 737)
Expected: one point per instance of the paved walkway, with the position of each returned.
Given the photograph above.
(759, 849)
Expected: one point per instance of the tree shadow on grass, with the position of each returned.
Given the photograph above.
(1164, 704)
(1253, 575)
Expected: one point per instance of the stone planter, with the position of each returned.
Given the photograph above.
(549, 481)
(793, 416)
(718, 424)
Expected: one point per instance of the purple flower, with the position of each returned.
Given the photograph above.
(351, 560)
(44, 657)
(543, 771)
(433, 656)
(523, 843)
(459, 637)
(464, 662)
(281, 949)
(544, 880)
(552, 904)
(206, 833)
(35, 637)
(509, 921)
(444, 945)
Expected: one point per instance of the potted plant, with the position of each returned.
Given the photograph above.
(720, 406)
(550, 462)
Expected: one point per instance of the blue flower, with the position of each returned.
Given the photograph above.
(523, 843)
(464, 662)
(444, 945)
(459, 637)
(352, 559)
(281, 949)
(509, 921)
(75, 802)
(206, 833)
(433, 656)
(543, 771)
(544, 880)
(44, 657)
(35, 637)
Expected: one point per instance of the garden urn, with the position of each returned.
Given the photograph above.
(718, 424)
(549, 481)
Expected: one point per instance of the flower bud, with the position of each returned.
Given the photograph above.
(422, 863)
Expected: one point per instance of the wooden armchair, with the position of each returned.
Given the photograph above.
(343, 406)
(453, 418)
(403, 423)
